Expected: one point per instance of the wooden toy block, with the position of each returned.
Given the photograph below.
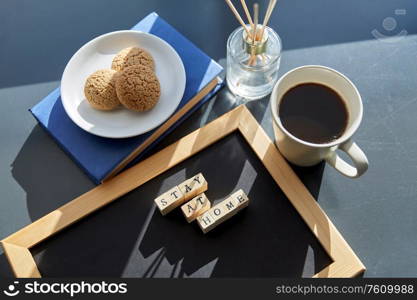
(196, 207)
(193, 186)
(229, 207)
(170, 200)
(240, 198)
(206, 222)
(217, 212)
(223, 211)
(213, 217)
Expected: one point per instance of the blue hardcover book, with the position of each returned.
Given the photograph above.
(102, 158)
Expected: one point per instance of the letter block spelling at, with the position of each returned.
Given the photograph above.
(223, 211)
(193, 186)
(170, 200)
(195, 207)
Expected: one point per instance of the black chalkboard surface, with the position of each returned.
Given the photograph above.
(130, 238)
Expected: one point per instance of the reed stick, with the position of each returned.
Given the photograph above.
(268, 14)
(237, 15)
(245, 8)
(256, 21)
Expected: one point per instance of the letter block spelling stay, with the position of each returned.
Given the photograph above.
(195, 207)
(181, 193)
(223, 211)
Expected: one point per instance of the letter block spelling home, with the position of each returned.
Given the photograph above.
(223, 211)
(181, 193)
(196, 207)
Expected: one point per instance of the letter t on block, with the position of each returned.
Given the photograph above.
(170, 200)
(195, 207)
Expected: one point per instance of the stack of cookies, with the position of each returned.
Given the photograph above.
(131, 81)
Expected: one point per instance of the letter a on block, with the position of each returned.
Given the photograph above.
(169, 200)
(195, 207)
(193, 186)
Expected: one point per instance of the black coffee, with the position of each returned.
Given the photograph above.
(314, 113)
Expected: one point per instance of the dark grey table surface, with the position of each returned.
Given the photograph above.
(377, 214)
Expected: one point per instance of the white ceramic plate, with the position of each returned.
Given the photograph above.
(98, 54)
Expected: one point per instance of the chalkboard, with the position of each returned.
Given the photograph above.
(130, 238)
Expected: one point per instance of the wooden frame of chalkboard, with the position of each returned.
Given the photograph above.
(345, 262)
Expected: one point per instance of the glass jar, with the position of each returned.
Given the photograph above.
(252, 67)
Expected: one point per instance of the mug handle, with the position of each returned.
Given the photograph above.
(356, 154)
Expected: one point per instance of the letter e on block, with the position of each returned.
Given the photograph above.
(240, 199)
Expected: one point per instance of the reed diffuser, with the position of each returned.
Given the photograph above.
(253, 54)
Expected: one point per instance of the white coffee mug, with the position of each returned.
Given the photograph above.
(303, 153)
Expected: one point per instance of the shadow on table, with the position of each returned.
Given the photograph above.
(48, 176)
(51, 179)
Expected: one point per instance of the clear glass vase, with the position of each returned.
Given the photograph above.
(252, 66)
